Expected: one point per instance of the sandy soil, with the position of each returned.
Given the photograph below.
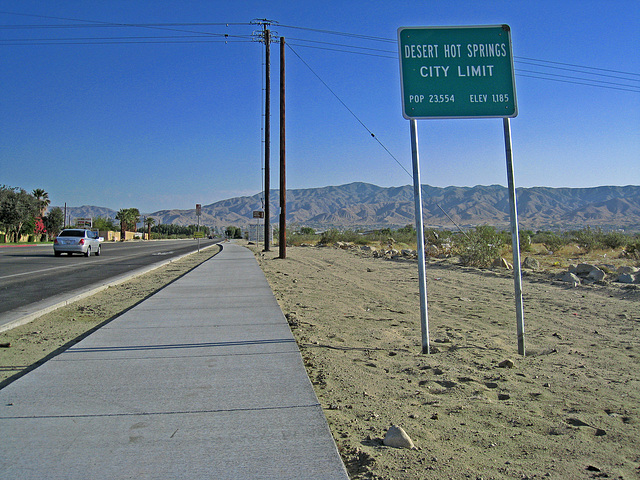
(569, 409)
(36, 342)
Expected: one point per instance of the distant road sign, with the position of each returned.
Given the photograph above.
(198, 208)
(258, 214)
(198, 235)
(457, 72)
(84, 222)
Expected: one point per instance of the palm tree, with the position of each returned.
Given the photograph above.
(122, 217)
(128, 219)
(149, 222)
(43, 200)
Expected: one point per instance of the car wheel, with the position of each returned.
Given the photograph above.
(88, 252)
(57, 254)
(98, 251)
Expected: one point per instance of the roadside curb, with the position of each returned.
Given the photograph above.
(25, 315)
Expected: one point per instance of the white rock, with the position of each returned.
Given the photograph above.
(569, 277)
(628, 270)
(597, 274)
(397, 437)
(584, 268)
(626, 278)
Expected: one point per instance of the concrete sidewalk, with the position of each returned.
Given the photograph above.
(202, 380)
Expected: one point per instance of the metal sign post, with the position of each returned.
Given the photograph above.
(515, 236)
(257, 214)
(459, 72)
(422, 274)
(198, 212)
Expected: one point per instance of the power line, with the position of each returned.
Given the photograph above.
(579, 66)
(125, 39)
(578, 78)
(123, 42)
(636, 90)
(99, 23)
(193, 37)
(344, 34)
(349, 110)
(345, 51)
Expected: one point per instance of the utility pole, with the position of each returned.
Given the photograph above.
(282, 241)
(265, 37)
(267, 137)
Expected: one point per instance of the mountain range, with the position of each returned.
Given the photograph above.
(362, 205)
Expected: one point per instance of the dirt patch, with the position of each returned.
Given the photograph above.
(474, 408)
(35, 342)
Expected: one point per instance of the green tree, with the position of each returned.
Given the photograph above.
(233, 232)
(104, 223)
(53, 221)
(42, 198)
(128, 218)
(149, 222)
(17, 207)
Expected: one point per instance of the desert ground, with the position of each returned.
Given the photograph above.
(474, 408)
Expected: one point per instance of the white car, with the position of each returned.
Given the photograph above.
(77, 240)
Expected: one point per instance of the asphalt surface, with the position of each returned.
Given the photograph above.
(33, 281)
(201, 380)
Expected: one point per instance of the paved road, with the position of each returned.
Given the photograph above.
(31, 275)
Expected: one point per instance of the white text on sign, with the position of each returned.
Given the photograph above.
(473, 50)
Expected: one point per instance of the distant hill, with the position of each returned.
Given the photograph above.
(362, 205)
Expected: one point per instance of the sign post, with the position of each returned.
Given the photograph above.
(198, 213)
(422, 274)
(257, 214)
(459, 72)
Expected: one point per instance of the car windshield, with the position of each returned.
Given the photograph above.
(72, 233)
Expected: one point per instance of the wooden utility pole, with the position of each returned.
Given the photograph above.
(282, 241)
(267, 138)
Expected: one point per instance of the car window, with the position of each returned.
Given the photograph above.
(71, 233)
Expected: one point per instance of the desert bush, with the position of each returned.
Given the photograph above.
(406, 235)
(525, 240)
(551, 241)
(633, 248)
(329, 236)
(614, 239)
(438, 237)
(587, 239)
(304, 235)
(479, 247)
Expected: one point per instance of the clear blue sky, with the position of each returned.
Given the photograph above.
(97, 117)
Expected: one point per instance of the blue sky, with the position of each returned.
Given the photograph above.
(97, 117)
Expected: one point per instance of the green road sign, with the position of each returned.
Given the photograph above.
(457, 72)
